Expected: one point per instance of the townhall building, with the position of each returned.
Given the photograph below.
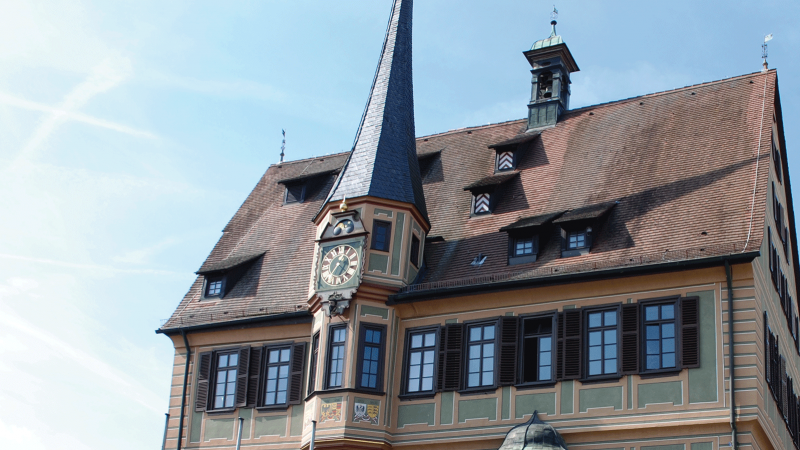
(626, 271)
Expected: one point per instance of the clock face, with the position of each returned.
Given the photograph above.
(339, 265)
(344, 226)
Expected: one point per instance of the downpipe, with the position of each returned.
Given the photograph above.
(729, 277)
(185, 380)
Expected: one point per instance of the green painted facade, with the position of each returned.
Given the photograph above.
(485, 408)
(378, 261)
(296, 426)
(567, 396)
(703, 382)
(219, 429)
(600, 398)
(385, 212)
(664, 447)
(667, 392)
(247, 415)
(527, 404)
(270, 426)
(702, 446)
(448, 404)
(196, 427)
(414, 414)
(383, 313)
(505, 412)
(398, 242)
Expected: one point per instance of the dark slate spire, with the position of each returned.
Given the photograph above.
(383, 162)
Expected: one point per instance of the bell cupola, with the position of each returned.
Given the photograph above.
(552, 64)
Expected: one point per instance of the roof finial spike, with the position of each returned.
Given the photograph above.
(283, 144)
(553, 21)
(767, 38)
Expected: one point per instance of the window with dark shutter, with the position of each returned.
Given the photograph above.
(420, 362)
(453, 341)
(336, 352)
(507, 367)
(295, 193)
(536, 357)
(481, 354)
(690, 336)
(559, 346)
(277, 367)
(296, 375)
(767, 371)
(776, 158)
(203, 380)
(414, 253)
(602, 342)
(242, 377)
(572, 344)
(369, 367)
(630, 338)
(254, 372)
(312, 371)
(226, 379)
(660, 335)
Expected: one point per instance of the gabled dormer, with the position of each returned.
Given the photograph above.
(552, 64)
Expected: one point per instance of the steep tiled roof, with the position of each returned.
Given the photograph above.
(680, 163)
(385, 144)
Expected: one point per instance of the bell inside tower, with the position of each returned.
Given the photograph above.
(545, 83)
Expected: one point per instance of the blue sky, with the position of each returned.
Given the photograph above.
(130, 132)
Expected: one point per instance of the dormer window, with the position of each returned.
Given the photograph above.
(214, 287)
(505, 161)
(481, 203)
(295, 193)
(578, 228)
(526, 246)
(524, 235)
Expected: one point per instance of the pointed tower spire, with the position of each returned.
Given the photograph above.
(383, 162)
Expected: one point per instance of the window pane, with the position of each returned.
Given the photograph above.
(488, 378)
(595, 353)
(233, 360)
(284, 371)
(427, 384)
(413, 384)
(473, 379)
(488, 364)
(413, 371)
(610, 336)
(229, 401)
(488, 350)
(427, 370)
(280, 398)
(668, 345)
(595, 367)
(285, 355)
(272, 384)
(595, 338)
(474, 351)
(611, 365)
(429, 357)
(488, 332)
(475, 334)
(232, 375)
(474, 365)
(416, 340)
(223, 361)
(611, 351)
(416, 357)
(545, 343)
(270, 400)
(651, 313)
(219, 401)
(430, 339)
(595, 320)
(544, 358)
(368, 336)
(668, 330)
(610, 318)
(652, 362)
(274, 355)
(652, 332)
(669, 360)
(668, 311)
(652, 348)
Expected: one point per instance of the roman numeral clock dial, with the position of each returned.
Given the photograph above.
(339, 265)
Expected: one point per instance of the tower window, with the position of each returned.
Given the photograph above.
(336, 356)
(545, 85)
(381, 231)
(414, 258)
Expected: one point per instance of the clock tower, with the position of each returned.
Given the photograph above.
(371, 230)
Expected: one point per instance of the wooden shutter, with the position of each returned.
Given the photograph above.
(242, 377)
(690, 336)
(766, 349)
(253, 372)
(630, 338)
(509, 329)
(440, 362)
(203, 380)
(559, 346)
(572, 344)
(296, 373)
(783, 387)
(454, 340)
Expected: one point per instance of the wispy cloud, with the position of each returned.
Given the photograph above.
(104, 76)
(94, 267)
(71, 115)
(219, 88)
(142, 255)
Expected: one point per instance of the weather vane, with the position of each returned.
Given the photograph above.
(283, 144)
(554, 14)
(767, 38)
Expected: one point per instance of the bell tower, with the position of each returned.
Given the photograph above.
(552, 64)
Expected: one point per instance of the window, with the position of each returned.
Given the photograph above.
(660, 339)
(277, 376)
(370, 373)
(226, 373)
(336, 342)
(536, 359)
(523, 246)
(420, 360)
(505, 161)
(576, 239)
(414, 254)
(602, 334)
(481, 356)
(295, 193)
(312, 373)
(776, 158)
(214, 286)
(380, 235)
(481, 203)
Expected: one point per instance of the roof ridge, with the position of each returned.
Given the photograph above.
(457, 130)
(295, 161)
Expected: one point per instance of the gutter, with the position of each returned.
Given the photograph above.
(728, 278)
(458, 291)
(301, 316)
(185, 380)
